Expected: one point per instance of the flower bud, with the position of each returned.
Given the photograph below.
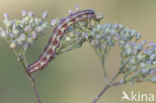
(13, 45)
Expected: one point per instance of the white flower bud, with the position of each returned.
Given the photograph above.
(38, 29)
(153, 79)
(26, 19)
(37, 21)
(77, 7)
(138, 36)
(152, 57)
(30, 40)
(132, 60)
(68, 39)
(3, 34)
(140, 57)
(128, 51)
(53, 22)
(152, 44)
(15, 31)
(34, 35)
(44, 14)
(31, 21)
(44, 25)
(70, 11)
(144, 70)
(28, 28)
(133, 32)
(143, 42)
(13, 45)
(12, 35)
(121, 43)
(7, 23)
(142, 65)
(30, 13)
(22, 37)
(6, 16)
(97, 36)
(24, 12)
(154, 62)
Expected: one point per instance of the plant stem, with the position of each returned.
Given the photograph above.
(36, 92)
(107, 86)
(104, 90)
(101, 93)
(103, 65)
(31, 80)
(116, 76)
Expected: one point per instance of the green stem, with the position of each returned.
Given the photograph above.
(101, 93)
(104, 70)
(108, 86)
(115, 76)
(31, 80)
(105, 89)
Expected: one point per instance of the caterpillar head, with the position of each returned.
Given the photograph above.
(98, 16)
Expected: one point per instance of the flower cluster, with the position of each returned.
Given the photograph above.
(103, 39)
(138, 59)
(21, 33)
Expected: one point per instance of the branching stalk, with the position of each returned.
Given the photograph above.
(31, 80)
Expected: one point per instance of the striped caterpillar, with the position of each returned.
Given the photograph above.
(49, 51)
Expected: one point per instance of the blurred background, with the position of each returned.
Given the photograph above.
(76, 76)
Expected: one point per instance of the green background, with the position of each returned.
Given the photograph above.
(76, 76)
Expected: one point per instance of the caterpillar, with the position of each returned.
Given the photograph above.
(58, 32)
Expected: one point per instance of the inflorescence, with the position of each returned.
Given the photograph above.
(137, 58)
(21, 33)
